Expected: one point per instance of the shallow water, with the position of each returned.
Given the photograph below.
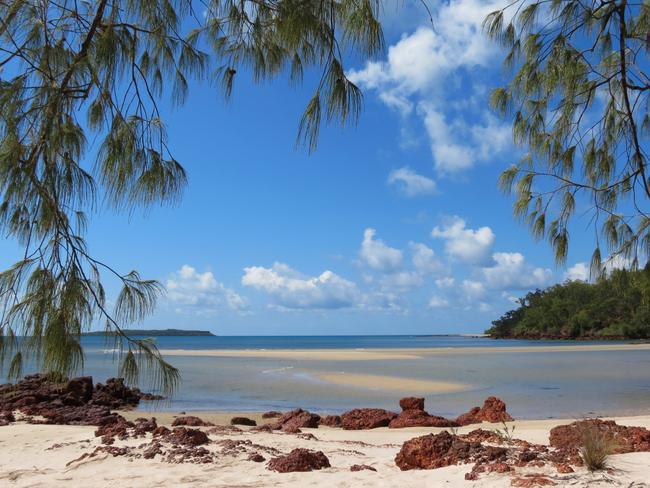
(533, 384)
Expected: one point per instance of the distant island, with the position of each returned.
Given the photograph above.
(616, 306)
(155, 333)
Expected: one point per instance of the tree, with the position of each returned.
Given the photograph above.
(578, 97)
(74, 71)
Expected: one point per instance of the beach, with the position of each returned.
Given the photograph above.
(44, 456)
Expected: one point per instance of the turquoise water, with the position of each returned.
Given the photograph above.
(533, 384)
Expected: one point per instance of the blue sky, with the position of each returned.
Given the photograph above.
(393, 226)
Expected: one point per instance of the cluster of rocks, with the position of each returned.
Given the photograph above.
(77, 401)
(412, 415)
(490, 451)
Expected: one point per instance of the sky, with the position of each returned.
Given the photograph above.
(392, 226)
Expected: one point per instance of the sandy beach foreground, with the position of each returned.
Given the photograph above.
(49, 456)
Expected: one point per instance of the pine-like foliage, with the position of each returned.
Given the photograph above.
(78, 71)
(578, 97)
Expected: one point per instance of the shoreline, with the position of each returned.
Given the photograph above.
(393, 354)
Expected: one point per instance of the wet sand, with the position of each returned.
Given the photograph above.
(391, 383)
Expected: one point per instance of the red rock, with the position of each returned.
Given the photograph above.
(118, 429)
(361, 467)
(187, 437)
(366, 418)
(419, 418)
(624, 439)
(493, 410)
(498, 468)
(191, 421)
(299, 460)
(296, 419)
(444, 449)
(564, 468)
(271, 415)
(256, 458)
(142, 426)
(412, 403)
(242, 421)
(152, 450)
(161, 431)
(331, 421)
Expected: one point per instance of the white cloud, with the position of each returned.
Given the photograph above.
(579, 271)
(410, 183)
(511, 272)
(437, 302)
(446, 282)
(424, 259)
(435, 72)
(468, 245)
(201, 292)
(377, 255)
(473, 289)
(401, 280)
(291, 289)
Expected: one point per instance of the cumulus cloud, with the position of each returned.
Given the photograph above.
(377, 255)
(424, 259)
(293, 290)
(433, 74)
(410, 183)
(511, 272)
(201, 292)
(468, 245)
(446, 282)
(401, 280)
(473, 289)
(579, 271)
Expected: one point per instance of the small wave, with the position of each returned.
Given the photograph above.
(110, 351)
(277, 370)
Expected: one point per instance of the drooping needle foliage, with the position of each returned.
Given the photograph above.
(72, 72)
(578, 97)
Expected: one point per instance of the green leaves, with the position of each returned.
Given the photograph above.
(578, 98)
(76, 74)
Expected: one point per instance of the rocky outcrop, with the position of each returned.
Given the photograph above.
(242, 421)
(366, 418)
(191, 421)
(185, 437)
(331, 421)
(295, 420)
(75, 401)
(271, 415)
(414, 415)
(444, 449)
(622, 439)
(493, 410)
(299, 460)
(361, 467)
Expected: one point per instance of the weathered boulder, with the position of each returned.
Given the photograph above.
(299, 460)
(187, 437)
(493, 410)
(366, 418)
(412, 403)
(361, 467)
(419, 418)
(623, 439)
(242, 421)
(271, 415)
(191, 421)
(444, 449)
(294, 420)
(331, 421)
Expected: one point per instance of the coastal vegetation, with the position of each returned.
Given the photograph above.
(615, 306)
(76, 72)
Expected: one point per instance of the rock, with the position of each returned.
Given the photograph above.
(299, 460)
(242, 421)
(366, 418)
(444, 449)
(271, 415)
(142, 426)
(191, 421)
(161, 431)
(361, 467)
(411, 403)
(78, 390)
(296, 419)
(624, 439)
(6, 418)
(109, 431)
(331, 421)
(187, 437)
(256, 458)
(493, 410)
(152, 450)
(564, 468)
(419, 418)
(115, 394)
(532, 480)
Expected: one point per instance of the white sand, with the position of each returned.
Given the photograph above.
(28, 460)
(392, 383)
(392, 354)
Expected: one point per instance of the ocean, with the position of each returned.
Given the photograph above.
(533, 384)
